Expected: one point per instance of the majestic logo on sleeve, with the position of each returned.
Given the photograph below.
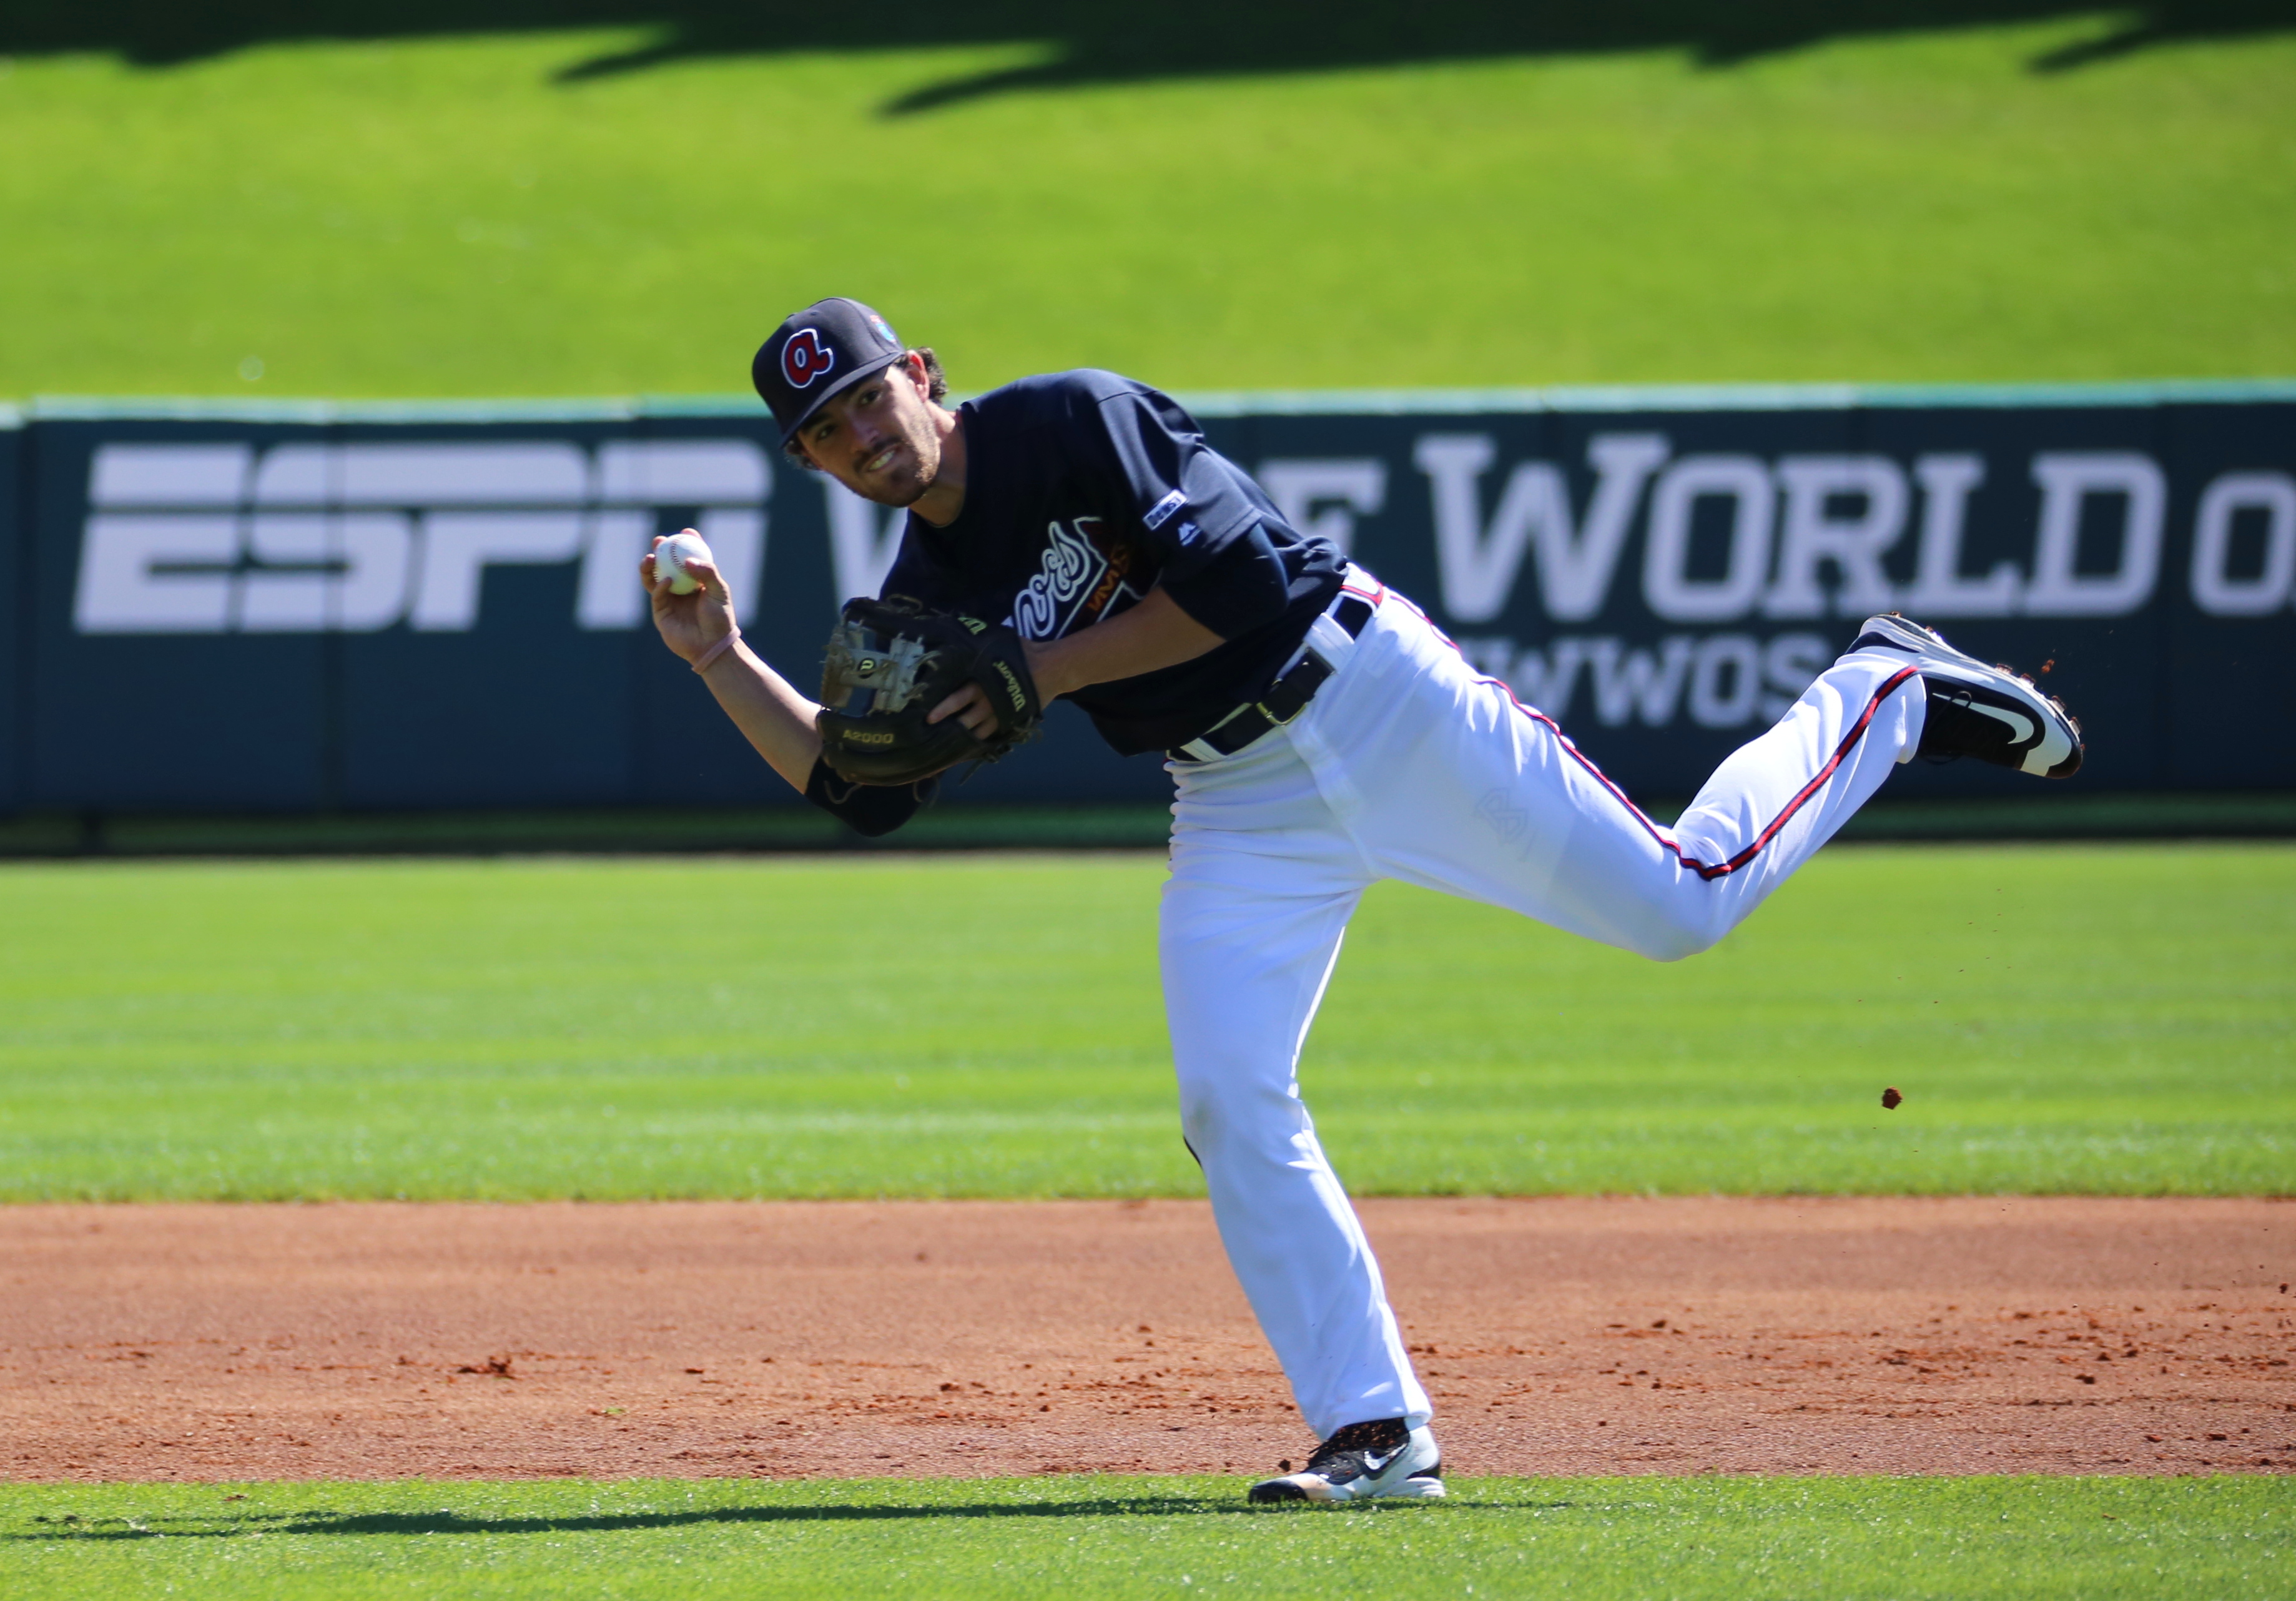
(1087, 574)
(806, 359)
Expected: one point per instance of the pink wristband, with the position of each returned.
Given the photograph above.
(706, 659)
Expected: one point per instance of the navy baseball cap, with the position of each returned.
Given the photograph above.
(817, 353)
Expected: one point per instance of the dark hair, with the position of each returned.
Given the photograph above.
(936, 380)
(936, 390)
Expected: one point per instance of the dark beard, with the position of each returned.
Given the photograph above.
(903, 490)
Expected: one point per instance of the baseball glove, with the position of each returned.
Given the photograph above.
(889, 663)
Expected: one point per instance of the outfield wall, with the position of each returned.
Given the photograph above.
(342, 608)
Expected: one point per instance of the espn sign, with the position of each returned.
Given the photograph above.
(310, 606)
(334, 537)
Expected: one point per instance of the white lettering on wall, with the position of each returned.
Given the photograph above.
(1478, 563)
(352, 537)
(1940, 588)
(153, 570)
(1326, 496)
(325, 572)
(459, 546)
(1628, 683)
(736, 537)
(1535, 677)
(1790, 663)
(1668, 587)
(1831, 524)
(2215, 590)
(726, 481)
(609, 596)
(682, 472)
(1548, 678)
(143, 573)
(1723, 680)
(2069, 480)
(1852, 542)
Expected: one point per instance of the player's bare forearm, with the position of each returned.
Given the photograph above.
(771, 714)
(699, 625)
(1156, 633)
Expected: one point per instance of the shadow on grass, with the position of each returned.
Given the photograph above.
(212, 1527)
(1075, 43)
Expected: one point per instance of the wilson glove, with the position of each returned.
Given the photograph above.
(890, 662)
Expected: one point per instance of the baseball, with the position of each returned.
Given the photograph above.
(670, 557)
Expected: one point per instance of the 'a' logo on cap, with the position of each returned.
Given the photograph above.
(806, 359)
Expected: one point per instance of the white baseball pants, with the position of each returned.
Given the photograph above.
(1409, 765)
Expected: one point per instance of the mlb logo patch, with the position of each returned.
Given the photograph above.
(1162, 512)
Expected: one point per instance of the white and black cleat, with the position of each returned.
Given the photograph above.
(1361, 1462)
(1991, 713)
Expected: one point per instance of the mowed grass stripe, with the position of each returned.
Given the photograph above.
(2102, 1019)
(447, 216)
(1606, 1540)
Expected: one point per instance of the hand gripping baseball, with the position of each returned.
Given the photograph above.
(890, 662)
(691, 606)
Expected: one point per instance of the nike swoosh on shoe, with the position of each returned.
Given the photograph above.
(2045, 738)
(2020, 728)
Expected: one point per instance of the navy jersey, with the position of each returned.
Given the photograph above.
(1083, 492)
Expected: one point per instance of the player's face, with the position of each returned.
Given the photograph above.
(878, 438)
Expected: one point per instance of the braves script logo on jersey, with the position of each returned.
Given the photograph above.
(806, 359)
(1085, 577)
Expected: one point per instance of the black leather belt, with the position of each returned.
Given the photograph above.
(1285, 698)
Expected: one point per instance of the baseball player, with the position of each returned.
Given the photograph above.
(1322, 735)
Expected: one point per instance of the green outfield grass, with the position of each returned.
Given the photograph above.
(447, 216)
(1603, 1539)
(2103, 1019)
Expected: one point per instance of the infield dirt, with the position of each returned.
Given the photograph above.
(1976, 1334)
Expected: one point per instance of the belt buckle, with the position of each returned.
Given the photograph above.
(1273, 721)
(1306, 654)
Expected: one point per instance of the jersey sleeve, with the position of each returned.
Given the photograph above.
(869, 810)
(1205, 515)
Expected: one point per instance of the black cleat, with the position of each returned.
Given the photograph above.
(1989, 712)
(1361, 1461)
